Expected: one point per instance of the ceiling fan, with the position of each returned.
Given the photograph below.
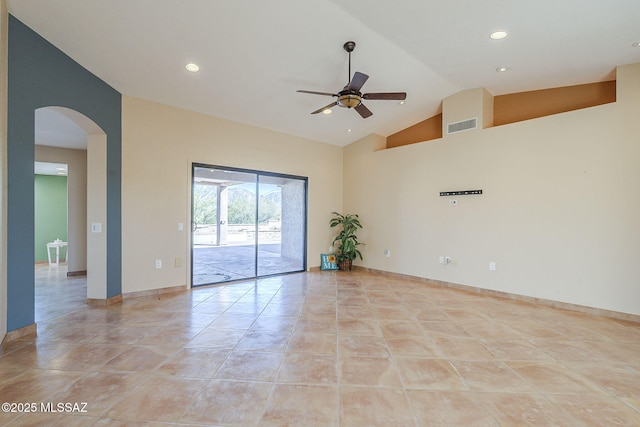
(350, 96)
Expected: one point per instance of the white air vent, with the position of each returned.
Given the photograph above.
(463, 125)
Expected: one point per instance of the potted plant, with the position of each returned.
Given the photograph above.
(348, 243)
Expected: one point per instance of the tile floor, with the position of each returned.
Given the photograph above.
(320, 349)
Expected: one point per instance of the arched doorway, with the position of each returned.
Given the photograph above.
(62, 135)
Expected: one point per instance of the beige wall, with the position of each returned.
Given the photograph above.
(159, 144)
(559, 213)
(77, 200)
(96, 192)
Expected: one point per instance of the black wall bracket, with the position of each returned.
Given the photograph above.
(460, 193)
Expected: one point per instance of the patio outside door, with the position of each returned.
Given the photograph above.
(246, 224)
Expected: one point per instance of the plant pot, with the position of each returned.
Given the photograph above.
(345, 265)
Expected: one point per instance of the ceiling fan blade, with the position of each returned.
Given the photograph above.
(363, 111)
(397, 96)
(320, 110)
(317, 93)
(357, 81)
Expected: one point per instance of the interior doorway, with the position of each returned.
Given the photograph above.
(246, 224)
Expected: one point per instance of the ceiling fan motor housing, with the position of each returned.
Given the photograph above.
(349, 98)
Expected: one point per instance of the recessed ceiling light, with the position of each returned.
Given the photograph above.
(348, 130)
(498, 35)
(192, 67)
(502, 69)
(636, 44)
(401, 102)
(326, 111)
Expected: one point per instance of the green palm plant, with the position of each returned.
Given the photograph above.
(348, 241)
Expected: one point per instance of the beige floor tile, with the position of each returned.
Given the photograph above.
(525, 410)
(37, 385)
(552, 378)
(168, 336)
(140, 359)
(275, 324)
(54, 420)
(358, 327)
(516, 350)
(463, 348)
(447, 329)
(366, 406)
(217, 339)
(618, 380)
(633, 402)
(119, 334)
(431, 315)
(228, 403)
(7, 417)
(535, 330)
(428, 374)
(490, 376)
(234, 321)
(569, 351)
(357, 299)
(281, 308)
(304, 368)
(264, 341)
(302, 405)
(368, 371)
(391, 312)
(401, 329)
(362, 311)
(320, 311)
(449, 408)
(310, 342)
(597, 410)
(86, 357)
(194, 363)
(158, 398)
(321, 349)
(316, 326)
(490, 330)
(414, 346)
(363, 345)
(98, 390)
(250, 366)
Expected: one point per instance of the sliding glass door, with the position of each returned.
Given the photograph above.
(246, 224)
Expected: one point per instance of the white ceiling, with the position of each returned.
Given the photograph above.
(46, 168)
(254, 54)
(57, 130)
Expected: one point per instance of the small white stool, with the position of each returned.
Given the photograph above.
(56, 245)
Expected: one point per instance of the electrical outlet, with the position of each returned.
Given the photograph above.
(158, 263)
(441, 259)
(447, 260)
(387, 253)
(492, 266)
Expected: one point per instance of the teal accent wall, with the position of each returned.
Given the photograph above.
(50, 214)
(41, 75)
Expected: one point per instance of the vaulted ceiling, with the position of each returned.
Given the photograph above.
(254, 55)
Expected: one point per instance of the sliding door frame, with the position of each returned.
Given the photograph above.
(258, 173)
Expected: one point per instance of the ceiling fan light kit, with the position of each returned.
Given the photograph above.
(350, 96)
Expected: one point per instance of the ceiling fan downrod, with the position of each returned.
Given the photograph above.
(349, 46)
